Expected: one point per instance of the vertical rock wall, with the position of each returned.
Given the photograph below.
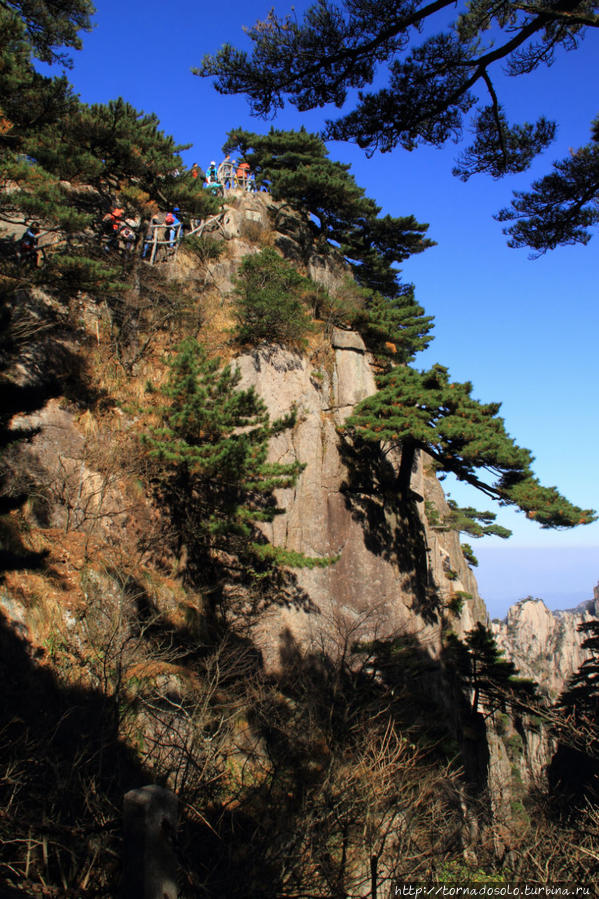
(545, 645)
(339, 510)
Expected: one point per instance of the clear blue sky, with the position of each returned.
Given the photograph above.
(524, 332)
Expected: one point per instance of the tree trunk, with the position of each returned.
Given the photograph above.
(373, 876)
(404, 475)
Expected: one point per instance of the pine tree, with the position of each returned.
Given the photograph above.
(436, 85)
(395, 328)
(48, 137)
(467, 520)
(425, 411)
(29, 104)
(562, 206)
(482, 668)
(582, 694)
(296, 166)
(574, 770)
(211, 455)
(269, 303)
(52, 24)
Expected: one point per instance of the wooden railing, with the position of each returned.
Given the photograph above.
(172, 241)
(213, 223)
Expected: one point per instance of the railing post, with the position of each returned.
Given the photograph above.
(149, 861)
(154, 244)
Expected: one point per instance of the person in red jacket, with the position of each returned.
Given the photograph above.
(112, 224)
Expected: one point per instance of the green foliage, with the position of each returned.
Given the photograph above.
(466, 519)
(468, 554)
(481, 667)
(499, 149)
(425, 411)
(432, 515)
(27, 98)
(29, 104)
(574, 771)
(331, 55)
(394, 328)
(458, 872)
(108, 144)
(51, 24)
(71, 270)
(562, 206)
(514, 746)
(269, 305)
(288, 558)
(214, 430)
(502, 722)
(296, 166)
(582, 694)
(455, 603)
(205, 248)
(47, 136)
(211, 451)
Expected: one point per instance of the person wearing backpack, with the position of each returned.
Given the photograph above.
(212, 173)
(27, 249)
(111, 225)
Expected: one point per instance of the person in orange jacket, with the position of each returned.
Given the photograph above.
(243, 172)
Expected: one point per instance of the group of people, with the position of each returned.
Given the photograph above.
(118, 233)
(121, 232)
(229, 175)
(118, 230)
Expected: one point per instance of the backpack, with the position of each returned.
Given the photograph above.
(169, 219)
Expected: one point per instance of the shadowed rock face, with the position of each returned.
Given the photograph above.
(545, 645)
(390, 573)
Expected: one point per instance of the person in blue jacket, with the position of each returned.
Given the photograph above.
(212, 173)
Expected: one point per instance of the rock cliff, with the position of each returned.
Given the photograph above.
(545, 645)
(389, 574)
(114, 572)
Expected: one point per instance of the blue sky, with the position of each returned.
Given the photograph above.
(524, 332)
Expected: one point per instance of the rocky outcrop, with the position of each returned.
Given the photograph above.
(389, 570)
(545, 645)
(389, 574)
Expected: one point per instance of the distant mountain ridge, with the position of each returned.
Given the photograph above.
(545, 644)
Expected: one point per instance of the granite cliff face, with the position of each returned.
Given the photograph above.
(545, 645)
(391, 575)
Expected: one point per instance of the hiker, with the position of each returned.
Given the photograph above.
(27, 247)
(151, 228)
(212, 173)
(127, 233)
(243, 171)
(195, 170)
(111, 226)
(225, 172)
(172, 222)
